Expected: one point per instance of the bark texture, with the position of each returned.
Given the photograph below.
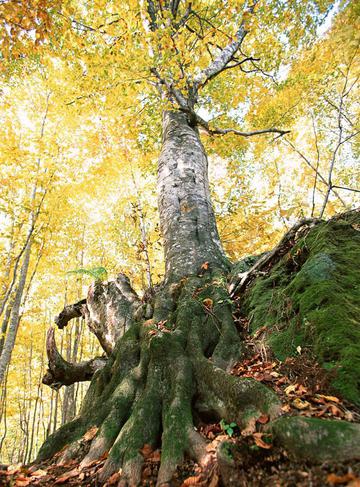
(186, 215)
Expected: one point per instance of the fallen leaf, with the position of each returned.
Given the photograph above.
(148, 322)
(67, 476)
(301, 390)
(329, 398)
(263, 419)
(349, 416)
(299, 404)
(22, 482)
(90, 434)
(12, 469)
(286, 408)
(208, 303)
(113, 480)
(250, 428)
(335, 411)
(146, 450)
(38, 473)
(340, 479)
(205, 266)
(260, 442)
(191, 481)
(290, 389)
(155, 456)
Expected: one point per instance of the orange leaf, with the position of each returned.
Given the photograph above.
(329, 398)
(340, 479)
(23, 482)
(286, 408)
(113, 480)
(146, 450)
(191, 481)
(155, 456)
(38, 473)
(301, 390)
(260, 442)
(67, 476)
(205, 266)
(263, 419)
(148, 322)
(208, 303)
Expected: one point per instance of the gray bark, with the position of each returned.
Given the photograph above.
(109, 309)
(186, 215)
(15, 315)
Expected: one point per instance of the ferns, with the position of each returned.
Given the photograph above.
(97, 273)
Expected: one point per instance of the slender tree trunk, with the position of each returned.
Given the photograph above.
(15, 314)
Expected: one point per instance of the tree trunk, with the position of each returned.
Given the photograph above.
(186, 215)
(15, 314)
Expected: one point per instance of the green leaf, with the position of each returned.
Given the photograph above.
(223, 425)
(97, 273)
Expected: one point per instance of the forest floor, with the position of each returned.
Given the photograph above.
(303, 387)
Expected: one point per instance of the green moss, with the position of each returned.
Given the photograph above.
(317, 440)
(311, 298)
(68, 433)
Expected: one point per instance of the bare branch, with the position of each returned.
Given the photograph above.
(317, 165)
(76, 310)
(345, 188)
(320, 176)
(219, 131)
(226, 55)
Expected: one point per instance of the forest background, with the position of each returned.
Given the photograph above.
(80, 138)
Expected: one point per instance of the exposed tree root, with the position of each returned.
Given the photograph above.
(163, 376)
(159, 375)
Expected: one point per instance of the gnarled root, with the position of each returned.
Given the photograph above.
(62, 372)
(158, 379)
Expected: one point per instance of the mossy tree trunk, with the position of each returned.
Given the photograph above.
(167, 357)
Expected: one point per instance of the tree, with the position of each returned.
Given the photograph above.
(167, 355)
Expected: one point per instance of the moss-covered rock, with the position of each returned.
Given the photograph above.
(317, 440)
(311, 298)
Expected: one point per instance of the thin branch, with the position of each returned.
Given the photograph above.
(317, 165)
(220, 131)
(226, 55)
(320, 176)
(345, 188)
